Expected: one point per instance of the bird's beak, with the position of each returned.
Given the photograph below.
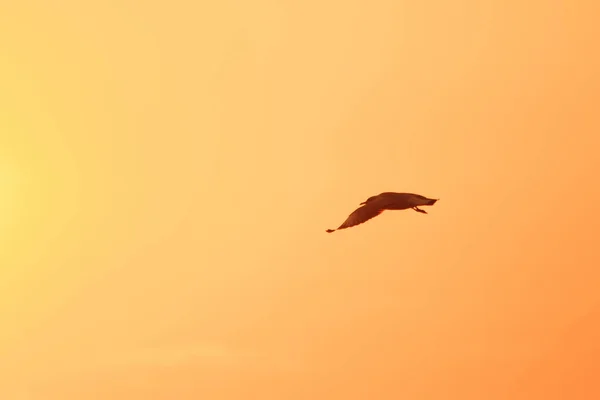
(364, 202)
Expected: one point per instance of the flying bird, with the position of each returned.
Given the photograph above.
(375, 205)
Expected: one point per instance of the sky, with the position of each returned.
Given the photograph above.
(168, 170)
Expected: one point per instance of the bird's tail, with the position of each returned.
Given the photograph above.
(431, 202)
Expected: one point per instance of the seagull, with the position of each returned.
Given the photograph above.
(375, 205)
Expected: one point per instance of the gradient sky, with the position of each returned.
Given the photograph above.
(168, 170)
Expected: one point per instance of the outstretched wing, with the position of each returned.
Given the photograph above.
(360, 215)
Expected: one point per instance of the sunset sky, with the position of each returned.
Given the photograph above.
(168, 170)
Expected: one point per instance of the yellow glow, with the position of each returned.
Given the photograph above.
(8, 193)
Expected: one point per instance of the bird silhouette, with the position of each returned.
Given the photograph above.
(375, 205)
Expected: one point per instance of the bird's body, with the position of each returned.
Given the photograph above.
(375, 205)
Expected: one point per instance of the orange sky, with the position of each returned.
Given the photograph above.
(168, 170)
